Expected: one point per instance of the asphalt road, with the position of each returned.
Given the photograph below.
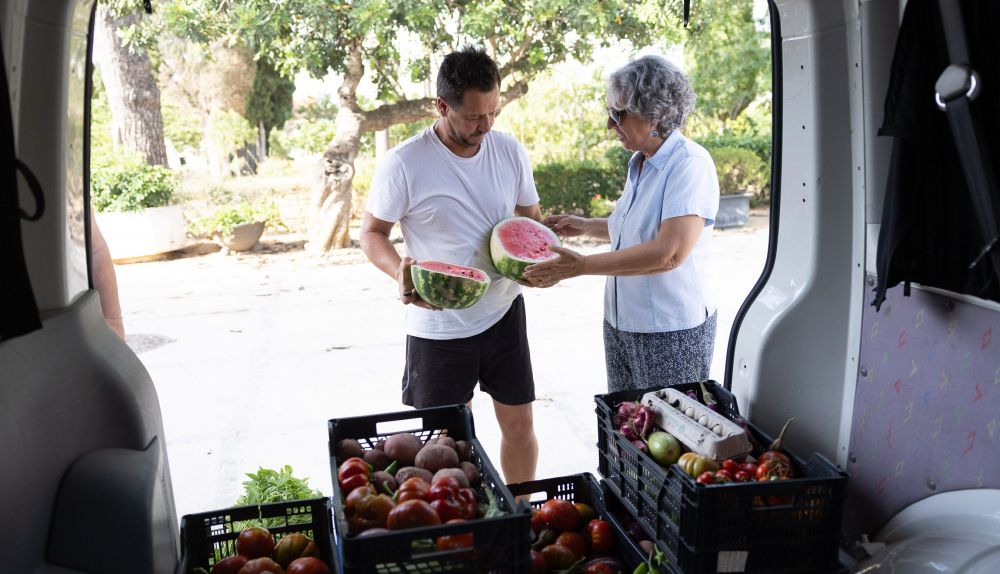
(252, 354)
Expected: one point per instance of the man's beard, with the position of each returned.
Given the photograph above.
(460, 139)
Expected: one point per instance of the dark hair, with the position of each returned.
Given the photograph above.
(469, 68)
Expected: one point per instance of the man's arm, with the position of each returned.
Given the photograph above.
(105, 281)
(533, 211)
(379, 250)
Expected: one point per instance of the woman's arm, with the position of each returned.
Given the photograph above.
(573, 226)
(105, 281)
(674, 241)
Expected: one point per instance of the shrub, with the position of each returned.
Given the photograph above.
(225, 219)
(309, 136)
(130, 185)
(571, 187)
(740, 171)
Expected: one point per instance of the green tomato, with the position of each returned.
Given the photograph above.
(663, 448)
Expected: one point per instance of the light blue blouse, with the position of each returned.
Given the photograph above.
(679, 179)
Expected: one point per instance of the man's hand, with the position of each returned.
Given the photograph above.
(407, 294)
(566, 225)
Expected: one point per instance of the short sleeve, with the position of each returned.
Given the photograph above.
(388, 197)
(693, 189)
(527, 194)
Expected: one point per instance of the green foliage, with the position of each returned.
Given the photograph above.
(303, 135)
(226, 218)
(729, 59)
(229, 131)
(270, 102)
(571, 187)
(739, 170)
(182, 128)
(268, 486)
(130, 185)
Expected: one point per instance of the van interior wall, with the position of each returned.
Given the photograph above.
(796, 352)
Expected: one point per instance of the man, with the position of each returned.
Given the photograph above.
(447, 187)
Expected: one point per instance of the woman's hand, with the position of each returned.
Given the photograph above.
(567, 225)
(548, 273)
(407, 294)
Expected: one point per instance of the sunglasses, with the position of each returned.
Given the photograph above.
(616, 115)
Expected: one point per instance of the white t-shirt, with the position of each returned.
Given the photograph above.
(446, 206)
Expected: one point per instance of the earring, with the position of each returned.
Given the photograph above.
(654, 133)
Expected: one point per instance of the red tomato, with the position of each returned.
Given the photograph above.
(558, 557)
(351, 467)
(261, 566)
(353, 498)
(308, 565)
(560, 514)
(411, 514)
(538, 563)
(354, 481)
(230, 565)
(574, 541)
(447, 508)
(254, 543)
(454, 541)
(414, 488)
(602, 537)
(446, 481)
(537, 524)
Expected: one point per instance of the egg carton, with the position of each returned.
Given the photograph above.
(700, 429)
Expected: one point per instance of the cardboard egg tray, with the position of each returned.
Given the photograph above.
(697, 427)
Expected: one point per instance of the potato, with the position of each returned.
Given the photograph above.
(403, 448)
(346, 448)
(378, 459)
(472, 473)
(434, 457)
(459, 474)
(411, 471)
(464, 450)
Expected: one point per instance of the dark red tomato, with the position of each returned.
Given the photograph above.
(466, 497)
(602, 537)
(538, 563)
(351, 467)
(411, 514)
(254, 543)
(447, 508)
(537, 524)
(560, 514)
(308, 565)
(261, 566)
(603, 566)
(354, 498)
(230, 565)
(574, 541)
(447, 481)
(558, 557)
(376, 507)
(354, 481)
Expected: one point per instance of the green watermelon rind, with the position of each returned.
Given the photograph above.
(448, 291)
(508, 265)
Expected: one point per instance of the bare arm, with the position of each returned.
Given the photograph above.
(533, 211)
(572, 226)
(105, 280)
(674, 241)
(379, 250)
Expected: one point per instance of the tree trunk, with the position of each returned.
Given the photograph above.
(332, 193)
(134, 97)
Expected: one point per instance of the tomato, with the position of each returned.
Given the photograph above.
(602, 537)
(466, 497)
(357, 524)
(375, 507)
(230, 565)
(537, 524)
(447, 481)
(603, 566)
(351, 467)
(538, 563)
(308, 565)
(558, 557)
(447, 508)
(440, 490)
(453, 541)
(254, 542)
(574, 541)
(411, 514)
(560, 514)
(775, 467)
(292, 546)
(354, 481)
(353, 498)
(731, 466)
(586, 512)
(261, 566)
(743, 476)
(413, 488)
(695, 464)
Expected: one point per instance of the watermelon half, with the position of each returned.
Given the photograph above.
(518, 242)
(447, 285)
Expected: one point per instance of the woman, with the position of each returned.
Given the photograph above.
(659, 319)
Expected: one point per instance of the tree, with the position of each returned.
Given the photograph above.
(270, 102)
(729, 60)
(397, 42)
(133, 95)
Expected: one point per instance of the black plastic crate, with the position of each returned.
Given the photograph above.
(500, 542)
(208, 537)
(583, 488)
(736, 527)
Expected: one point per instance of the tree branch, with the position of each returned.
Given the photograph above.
(353, 72)
(405, 111)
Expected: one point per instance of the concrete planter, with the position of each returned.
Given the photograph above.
(143, 233)
(734, 211)
(243, 237)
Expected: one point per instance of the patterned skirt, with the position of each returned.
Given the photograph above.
(644, 360)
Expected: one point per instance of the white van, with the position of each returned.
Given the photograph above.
(905, 397)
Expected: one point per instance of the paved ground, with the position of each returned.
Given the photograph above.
(252, 354)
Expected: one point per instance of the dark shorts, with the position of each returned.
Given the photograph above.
(643, 360)
(445, 372)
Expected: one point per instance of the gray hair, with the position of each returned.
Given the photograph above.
(655, 90)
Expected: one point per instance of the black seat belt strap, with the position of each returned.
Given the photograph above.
(956, 88)
(18, 310)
